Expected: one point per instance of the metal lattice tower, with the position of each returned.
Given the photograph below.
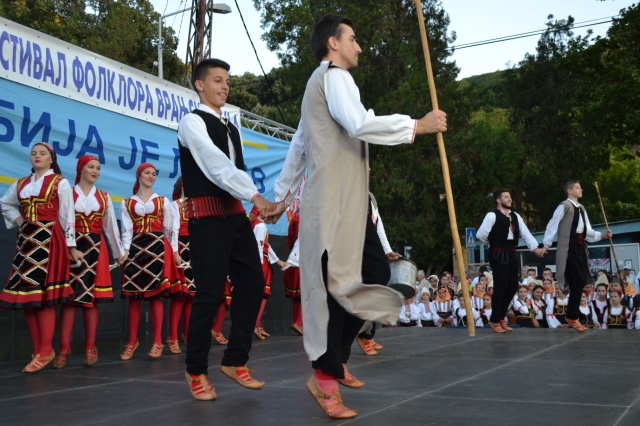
(200, 36)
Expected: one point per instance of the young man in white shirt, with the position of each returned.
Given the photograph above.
(501, 230)
(571, 223)
(222, 240)
(332, 144)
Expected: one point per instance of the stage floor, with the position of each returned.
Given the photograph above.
(421, 377)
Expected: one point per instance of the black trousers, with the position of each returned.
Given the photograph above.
(221, 246)
(576, 274)
(369, 335)
(344, 327)
(505, 282)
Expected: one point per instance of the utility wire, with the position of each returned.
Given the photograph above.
(450, 48)
(266, 79)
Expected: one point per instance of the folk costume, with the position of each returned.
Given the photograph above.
(426, 314)
(409, 315)
(221, 314)
(267, 258)
(212, 164)
(477, 299)
(557, 311)
(501, 231)
(368, 330)
(91, 281)
(587, 316)
(540, 309)
(599, 308)
(39, 276)
(634, 319)
(332, 144)
(183, 291)
(525, 312)
(461, 314)
(150, 270)
(292, 274)
(571, 222)
(443, 309)
(485, 316)
(617, 318)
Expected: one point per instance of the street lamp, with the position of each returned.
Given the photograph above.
(220, 8)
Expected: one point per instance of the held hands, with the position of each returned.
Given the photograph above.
(281, 264)
(272, 216)
(121, 260)
(434, 122)
(76, 255)
(541, 252)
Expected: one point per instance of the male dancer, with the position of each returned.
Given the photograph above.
(222, 241)
(571, 223)
(334, 132)
(501, 229)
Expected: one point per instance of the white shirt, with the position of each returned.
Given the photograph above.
(143, 209)
(260, 231)
(410, 309)
(479, 321)
(490, 220)
(294, 256)
(222, 171)
(87, 204)
(552, 226)
(422, 310)
(66, 214)
(343, 100)
(377, 219)
(589, 311)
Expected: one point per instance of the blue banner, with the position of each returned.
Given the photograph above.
(122, 143)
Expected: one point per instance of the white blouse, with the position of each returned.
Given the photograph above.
(294, 256)
(143, 209)
(260, 231)
(487, 313)
(410, 309)
(588, 310)
(66, 214)
(422, 311)
(87, 204)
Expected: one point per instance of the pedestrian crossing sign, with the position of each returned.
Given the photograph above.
(471, 238)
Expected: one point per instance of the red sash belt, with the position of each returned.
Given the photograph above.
(512, 250)
(211, 206)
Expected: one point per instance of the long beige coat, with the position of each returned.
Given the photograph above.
(333, 219)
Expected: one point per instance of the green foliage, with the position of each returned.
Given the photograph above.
(125, 30)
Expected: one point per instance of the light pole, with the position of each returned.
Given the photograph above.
(220, 8)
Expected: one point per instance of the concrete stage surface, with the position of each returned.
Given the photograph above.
(421, 377)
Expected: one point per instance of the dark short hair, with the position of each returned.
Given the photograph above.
(498, 193)
(482, 269)
(202, 69)
(569, 185)
(547, 269)
(606, 287)
(328, 26)
(536, 287)
(531, 270)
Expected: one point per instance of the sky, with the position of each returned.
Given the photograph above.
(472, 20)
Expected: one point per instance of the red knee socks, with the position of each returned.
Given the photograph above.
(134, 320)
(90, 317)
(175, 312)
(46, 326)
(297, 312)
(32, 323)
(157, 311)
(260, 312)
(327, 382)
(186, 314)
(67, 318)
(223, 309)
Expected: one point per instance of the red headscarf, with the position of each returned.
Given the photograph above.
(54, 157)
(82, 162)
(177, 189)
(141, 168)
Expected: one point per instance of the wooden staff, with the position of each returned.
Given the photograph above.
(606, 224)
(447, 178)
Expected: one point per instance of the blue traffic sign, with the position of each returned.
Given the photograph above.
(471, 238)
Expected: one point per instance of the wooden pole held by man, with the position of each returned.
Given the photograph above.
(447, 180)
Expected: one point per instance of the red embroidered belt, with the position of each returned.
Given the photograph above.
(211, 206)
(512, 250)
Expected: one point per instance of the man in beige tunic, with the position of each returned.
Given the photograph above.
(332, 144)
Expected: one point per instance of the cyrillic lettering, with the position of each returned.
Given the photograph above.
(62, 69)
(48, 67)
(37, 61)
(78, 74)
(44, 124)
(4, 121)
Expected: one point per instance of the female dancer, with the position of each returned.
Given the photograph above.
(148, 238)
(91, 279)
(539, 306)
(523, 308)
(267, 257)
(41, 205)
(182, 292)
(292, 274)
(221, 313)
